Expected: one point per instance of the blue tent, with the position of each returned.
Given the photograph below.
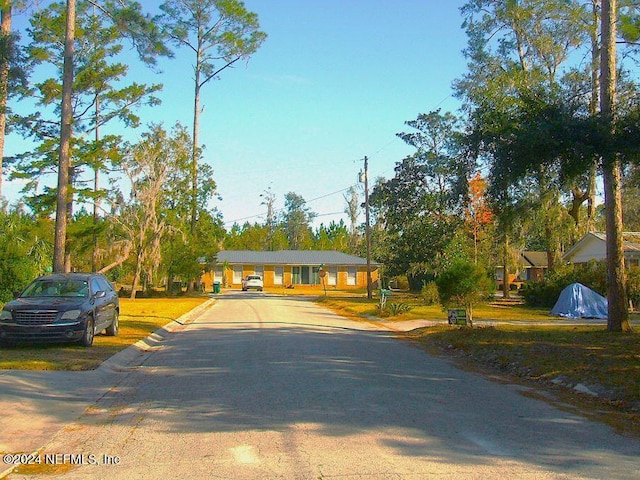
(578, 301)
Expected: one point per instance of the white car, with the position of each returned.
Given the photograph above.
(252, 281)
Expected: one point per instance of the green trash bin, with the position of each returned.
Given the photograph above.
(216, 287)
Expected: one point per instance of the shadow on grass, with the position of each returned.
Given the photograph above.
(560, 358)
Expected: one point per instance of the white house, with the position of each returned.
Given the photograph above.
(593, 247)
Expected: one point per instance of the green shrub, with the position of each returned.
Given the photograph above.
(546, 292)
(541, 294)
(397, 308)
(464, 284)
(593, 275)
(23, 253)
(633, 286)
(400, 282)
(429, 293)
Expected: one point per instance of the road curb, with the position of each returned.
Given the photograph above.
(144, 347)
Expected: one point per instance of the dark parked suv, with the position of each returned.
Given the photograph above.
(69, 307)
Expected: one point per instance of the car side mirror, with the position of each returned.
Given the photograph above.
(99, 294)
(16, 295)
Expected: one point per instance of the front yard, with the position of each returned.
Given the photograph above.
(138, 318)
(500, 310)
(587, 367)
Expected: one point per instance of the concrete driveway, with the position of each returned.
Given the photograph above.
(261, 386)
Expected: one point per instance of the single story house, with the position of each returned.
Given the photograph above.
(531, 268)
(593, 246)
(291, 268)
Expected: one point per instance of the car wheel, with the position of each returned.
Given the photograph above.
(112, 330)
(89, 333)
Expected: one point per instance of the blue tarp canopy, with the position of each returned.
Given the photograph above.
(578, 301)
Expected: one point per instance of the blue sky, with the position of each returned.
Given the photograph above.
(334, 81)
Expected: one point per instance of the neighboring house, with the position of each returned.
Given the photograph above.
(291, 268)
(534, 266)
(531, 268)
(593, 246)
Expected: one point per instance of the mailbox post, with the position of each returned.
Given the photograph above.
(322, 273)
(384, 294)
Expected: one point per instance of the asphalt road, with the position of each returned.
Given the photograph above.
(264, 387)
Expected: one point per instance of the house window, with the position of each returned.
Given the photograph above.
(259, 270)
(332, 276)
(278, 273)
(296, 277)
(237, 274)
(218, 273)
(305, 275)
(352, 276)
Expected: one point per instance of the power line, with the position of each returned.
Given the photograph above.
(279, 210)
(327, 214)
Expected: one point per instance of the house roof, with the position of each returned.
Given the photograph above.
(530, 259)
(631, 242)
(290, 257)
(535, 259)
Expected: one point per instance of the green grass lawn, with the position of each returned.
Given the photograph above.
(509, 310)
(138, 318)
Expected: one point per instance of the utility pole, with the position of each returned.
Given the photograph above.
(365, 180)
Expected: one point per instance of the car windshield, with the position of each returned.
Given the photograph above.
(57, 288)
